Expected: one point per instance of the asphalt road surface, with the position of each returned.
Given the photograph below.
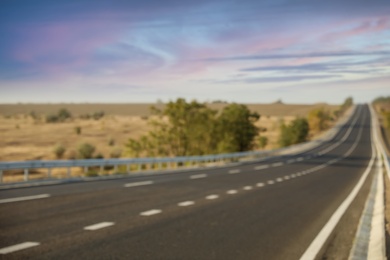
(272, 209)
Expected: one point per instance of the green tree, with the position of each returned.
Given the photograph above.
(263, 141)
(59, 151)
(319, 119)
(296, 132)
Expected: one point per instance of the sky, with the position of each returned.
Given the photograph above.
(247, 51)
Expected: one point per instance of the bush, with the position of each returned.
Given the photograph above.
(116, 153)
(52, 119)
(59, 151)
(263, 141)
(77, 130)
(111, 142)
(99, 156)
(296, 132)
(62, 115)
(86, 151)
(97, 115)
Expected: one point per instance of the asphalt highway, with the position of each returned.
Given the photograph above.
(270, 209)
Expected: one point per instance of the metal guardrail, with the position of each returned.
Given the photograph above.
(379, 141)
(157, 163)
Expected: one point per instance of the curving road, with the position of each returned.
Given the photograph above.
(271, 209)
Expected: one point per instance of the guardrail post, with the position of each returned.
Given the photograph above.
(85, 169)
(49, 172)
(68, 173)
(101, 169)
(139, 166)
(1, 176)
(26, 174)
(115, 168)
(159, 165)
(128, 168)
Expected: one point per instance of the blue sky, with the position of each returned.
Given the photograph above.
(300, 51)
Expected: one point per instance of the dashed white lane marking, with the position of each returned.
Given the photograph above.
(231, 192)
(286, 177)
(185, 203)
(291, 161)
(293, 175)
(270, 182)
(141, 183)
(260, 184)
(151, 212)
(299, 174)
(99, 226)
(300, 159)
(248, 188)
(14, 248)
(198, 176)
(41, 196)
(234, 171)
(212, 197)
(279, 179)
(277, 164)
(261, 167)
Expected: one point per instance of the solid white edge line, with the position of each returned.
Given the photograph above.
(212, 197)
(185, 203)
(34, 197)
(99, 226)
(136, 184)
(316, 245)
(150, 212)
(198, 176)
(21, 246)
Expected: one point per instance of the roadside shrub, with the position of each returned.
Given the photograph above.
(116, 153)
(85, 151)
(111, 142)
(52, 119)
(77, 130)
(294, 133)
(59, 151)
(62, 115)
(263, 141)
(99, 156)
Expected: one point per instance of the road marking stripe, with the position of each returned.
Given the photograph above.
(185, 203)
(231, 192)
(286, 177)
(247, 187)
(151, 212)
(291, 161)
(41, 196)
(262, 167)
(198, 176)
(277, 164)
(21, 246)
(270, 182)
(141, 183)
(279, 179)
(293, 175)
(99, 226)
(260, 184)
(212, 197)
(234, 171)
(300, 159)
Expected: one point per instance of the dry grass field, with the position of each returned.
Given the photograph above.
(23, 138)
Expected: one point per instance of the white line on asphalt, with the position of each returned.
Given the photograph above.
(293, 175)
(198, 176)
(135, 184)
(261, 167)
(231, 192)
(247, 187)
(291, 161)
(151, 212)
(300, 159)
(286, 177)
(14, 248)
(277, 164)
(299, 174)
(185, 203)
(270, 182)
(234, 171)
(260, 184)
(212, 197)
(99, 226)
(279, 179)
(41, 196)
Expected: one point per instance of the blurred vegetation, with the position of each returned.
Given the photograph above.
(62, 115)
(85, 151)
(296, 132)
(382, 105)
(59, 151)
(191, 128)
